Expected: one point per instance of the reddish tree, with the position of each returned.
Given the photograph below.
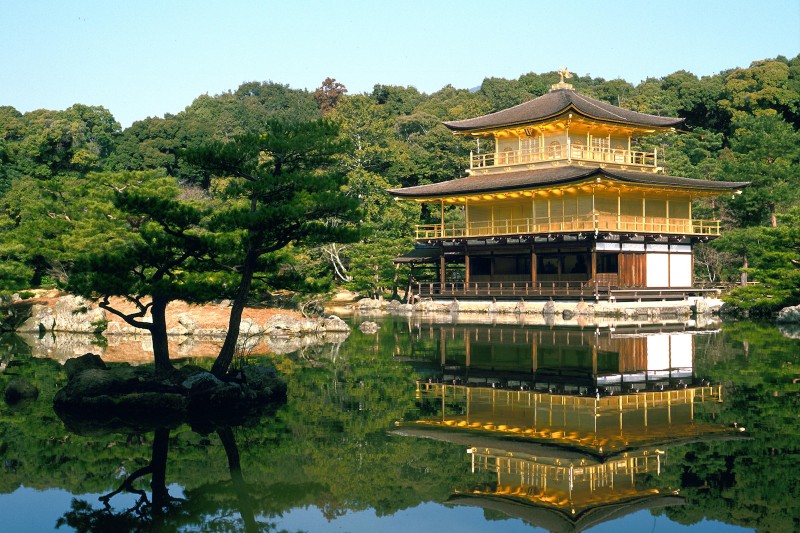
(328, 95)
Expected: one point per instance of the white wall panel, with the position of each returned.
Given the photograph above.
(680, 270)
(658, 270)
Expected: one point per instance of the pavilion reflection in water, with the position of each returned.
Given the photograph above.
(573, 426)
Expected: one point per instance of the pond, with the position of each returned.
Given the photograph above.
(436, 425)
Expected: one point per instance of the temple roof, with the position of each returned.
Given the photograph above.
(556, 103)
(531, 179)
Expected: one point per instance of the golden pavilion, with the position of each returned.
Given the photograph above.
(563, 205)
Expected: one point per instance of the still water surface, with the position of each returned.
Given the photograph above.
(443, 427)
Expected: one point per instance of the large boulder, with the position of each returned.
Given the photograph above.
(369, 304)
(333, 323)
(282, 325)
(41, 319)
(549, 308)
(789, 315)
(73, 313)
(263, 379)
(87, 361)
(701, 307)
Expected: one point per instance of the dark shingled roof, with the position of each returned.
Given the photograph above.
(555, 103)
(529, 179)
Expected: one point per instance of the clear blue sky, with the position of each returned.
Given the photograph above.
(145, 58)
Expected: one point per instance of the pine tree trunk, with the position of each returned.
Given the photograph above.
(158, 334)
(226, 353)
(744, 272)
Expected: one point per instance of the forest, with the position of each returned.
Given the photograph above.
(75, 186)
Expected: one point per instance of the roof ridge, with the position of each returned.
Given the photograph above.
(526, 102)
(590, 102)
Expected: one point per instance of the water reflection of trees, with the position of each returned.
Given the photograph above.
(328, 448)
(208, 506)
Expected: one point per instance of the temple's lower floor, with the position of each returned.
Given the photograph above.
(569, 266)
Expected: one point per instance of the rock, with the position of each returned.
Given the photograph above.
(188, 322)
(285, 325)
(282, 325)
(73, 313)
(41, 319)
(259, 376)
(366, 304)
(335, 324)
(549, 308)
(567, 314)
(19, 389)
(87, 361)
(701, 307)
(200, 382)
(789, 315)
(370, 328)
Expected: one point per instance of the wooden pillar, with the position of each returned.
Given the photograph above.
(667, 201)
(533, 266)
(442, 216)
(466, 219)
(594, 265)
(644, 212)
(466, 266)
(441, 268)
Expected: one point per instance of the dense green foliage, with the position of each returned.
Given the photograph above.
(741, 125)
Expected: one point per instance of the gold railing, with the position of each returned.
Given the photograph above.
(569, 223)
(563, 153)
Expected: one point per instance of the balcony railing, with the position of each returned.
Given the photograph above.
(568, 152)
(552, 289)
(570, 223)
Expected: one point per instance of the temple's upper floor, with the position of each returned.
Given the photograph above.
(562, 127)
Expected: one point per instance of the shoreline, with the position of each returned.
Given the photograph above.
(568, 310)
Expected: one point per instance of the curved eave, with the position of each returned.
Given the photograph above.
(556, 177)
(489, 129)
(556, 103)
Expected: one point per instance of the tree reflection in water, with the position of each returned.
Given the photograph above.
(162, 511)
(326, 454)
